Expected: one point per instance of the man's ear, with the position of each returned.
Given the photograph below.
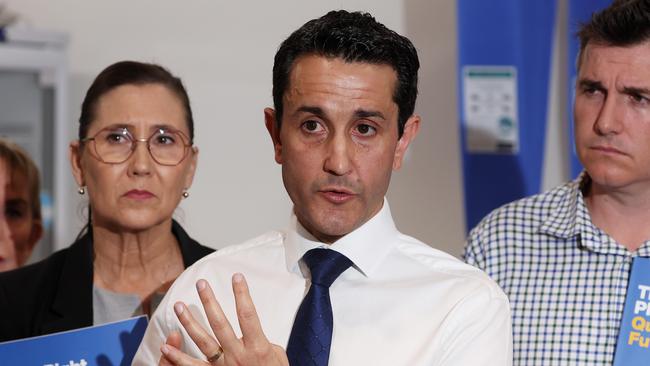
(274, 132)
(411, 129)
(75, 162)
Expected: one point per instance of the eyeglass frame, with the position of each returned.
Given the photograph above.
(134, 145)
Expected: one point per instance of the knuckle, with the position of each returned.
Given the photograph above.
(218, 321)
(260, 350)
(203, 343)
(247, 313)
(237, 359)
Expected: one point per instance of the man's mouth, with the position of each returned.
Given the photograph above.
(337, 195)
(607, 149)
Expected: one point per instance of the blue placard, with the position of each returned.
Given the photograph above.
(109, 344)
(633, 348)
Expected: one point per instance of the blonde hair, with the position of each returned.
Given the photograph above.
(19, 162)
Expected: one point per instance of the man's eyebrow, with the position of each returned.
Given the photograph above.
(631, 90)
(362, 113)
(590, 84)
(359, 113)
(318, 111)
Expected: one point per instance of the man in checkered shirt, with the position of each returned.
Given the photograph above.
(564, 256)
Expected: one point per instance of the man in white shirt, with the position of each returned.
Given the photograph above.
(344, 89)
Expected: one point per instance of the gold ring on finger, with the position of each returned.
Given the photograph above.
(216, 355)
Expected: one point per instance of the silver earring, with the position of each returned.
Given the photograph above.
(81, 191)
(186, 194)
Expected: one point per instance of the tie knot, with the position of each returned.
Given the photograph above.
(325, 265)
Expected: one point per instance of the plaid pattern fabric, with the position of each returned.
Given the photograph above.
(566, 279)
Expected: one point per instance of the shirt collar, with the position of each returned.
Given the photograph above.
(562, 221)
(591, 237)
(366, 246)
(571, 218)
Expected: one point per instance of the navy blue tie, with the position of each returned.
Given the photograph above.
(311, 335)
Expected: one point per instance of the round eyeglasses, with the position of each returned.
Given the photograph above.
(115, 145)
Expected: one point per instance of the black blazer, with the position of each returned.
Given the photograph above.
(56, 294)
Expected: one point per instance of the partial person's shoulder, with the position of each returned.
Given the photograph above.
(260, 247)
(528, 213)
(268, 241)
(442, 267)
(522, 223)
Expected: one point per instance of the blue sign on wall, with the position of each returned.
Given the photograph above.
(508, 35)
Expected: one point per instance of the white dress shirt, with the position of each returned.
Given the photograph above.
(401, 303)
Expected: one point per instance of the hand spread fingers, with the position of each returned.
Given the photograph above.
(217, 319)
(249, 322)
(206, 342)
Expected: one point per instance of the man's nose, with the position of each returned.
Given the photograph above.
(609, 120)
(338, 160)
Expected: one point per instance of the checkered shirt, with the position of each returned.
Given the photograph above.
(566, 279)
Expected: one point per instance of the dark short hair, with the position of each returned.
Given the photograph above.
(623, 23)
(353, 37)
(131, 73)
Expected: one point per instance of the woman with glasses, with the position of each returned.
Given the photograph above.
(135, 161)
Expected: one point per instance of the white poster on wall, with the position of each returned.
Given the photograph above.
(490, 109)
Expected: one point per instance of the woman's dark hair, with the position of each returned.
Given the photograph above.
(131, 73)
(353, 37)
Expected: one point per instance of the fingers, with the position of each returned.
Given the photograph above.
(217, 319)
(252, 348)
(174, 340)
(175, 357)
(249, 322)
(206, 343)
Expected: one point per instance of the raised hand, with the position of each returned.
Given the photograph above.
(253, 348)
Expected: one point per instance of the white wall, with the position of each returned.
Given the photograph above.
(224, 53)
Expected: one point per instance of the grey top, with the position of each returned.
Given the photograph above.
(109, 306)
